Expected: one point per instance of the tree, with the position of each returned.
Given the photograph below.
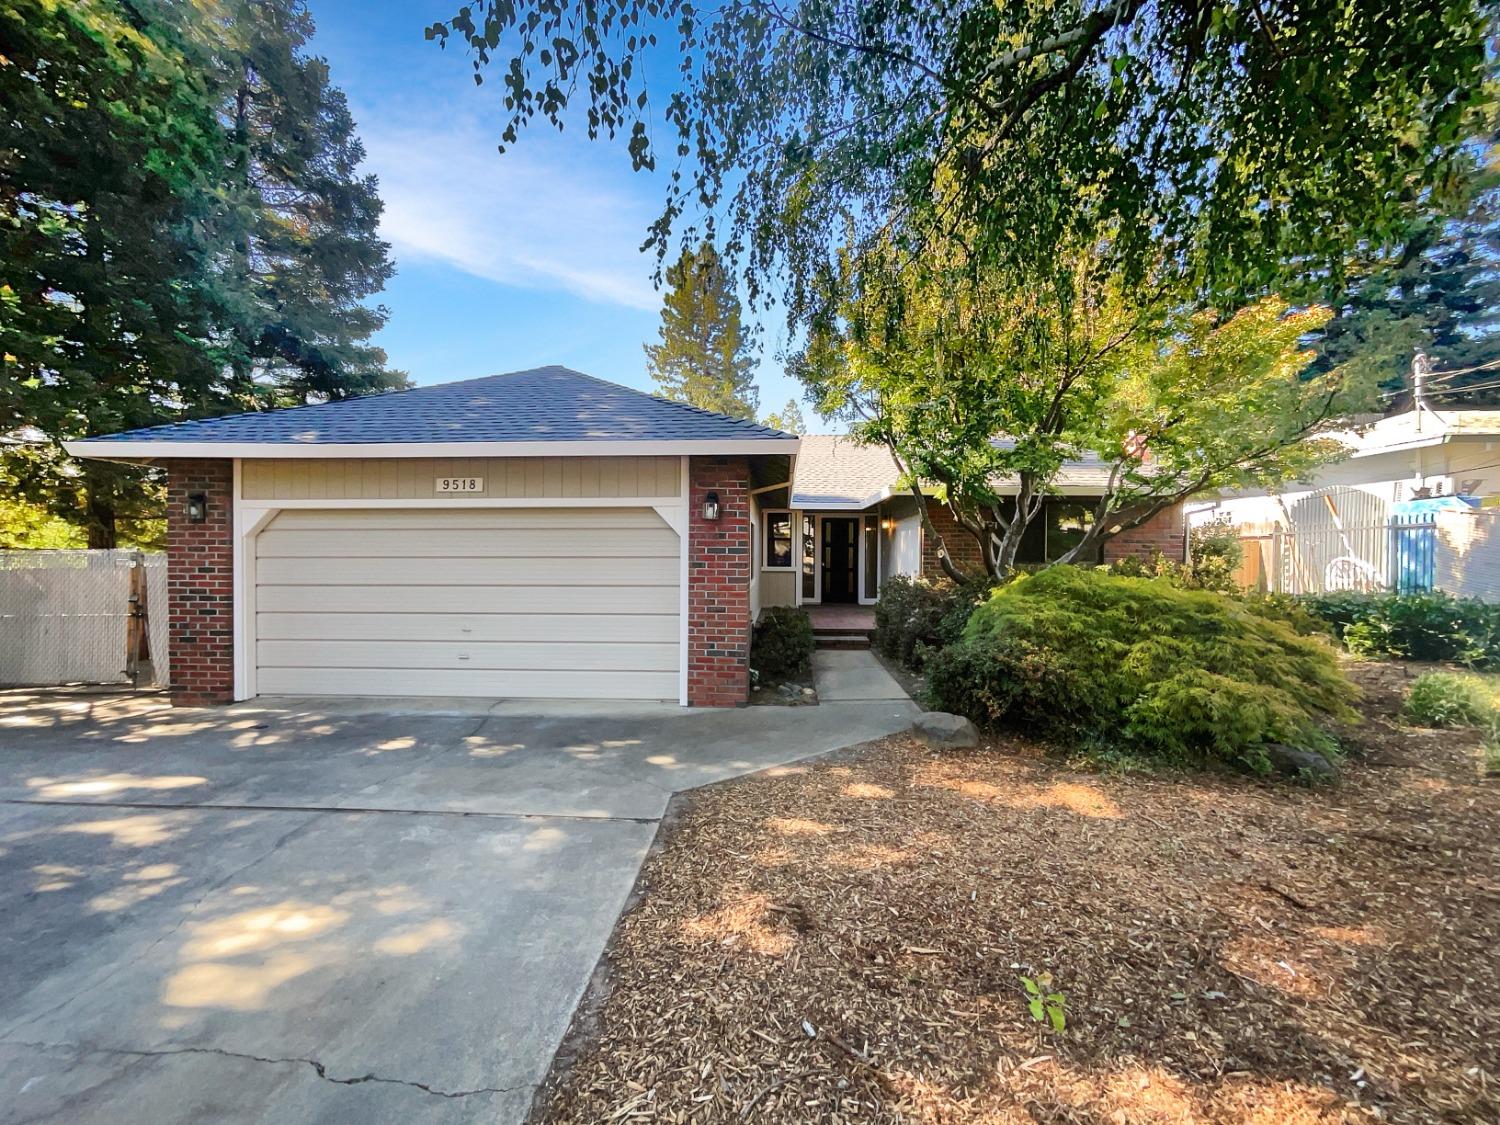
(312, 255)
(1236, 142)
(1438, 291)
(788, 419)
(109, 314)
(984, 390)
(183, 232)
(706, 356)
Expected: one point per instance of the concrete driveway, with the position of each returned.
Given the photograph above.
(298, 911)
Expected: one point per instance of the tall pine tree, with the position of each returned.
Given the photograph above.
(110, 318)
(706, 356)
(184, 231)
(1439, 292)
(312, 255)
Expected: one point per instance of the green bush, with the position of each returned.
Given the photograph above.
(1449, 699)
(914, 616)
(1424, 626)
(1142, 666)
(782, 643)
(1216, 553)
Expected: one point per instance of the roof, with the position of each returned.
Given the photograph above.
(1412, 428)
(834, 471)
(498, 413)
(840, 473)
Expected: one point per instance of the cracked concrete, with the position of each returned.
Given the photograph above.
(296, 911)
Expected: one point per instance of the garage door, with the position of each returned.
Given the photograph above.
(526, 603)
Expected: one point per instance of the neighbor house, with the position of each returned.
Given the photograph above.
(542, 534)
(1415, 455)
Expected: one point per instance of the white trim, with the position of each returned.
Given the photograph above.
(772, 488)
(480, 502)
(865, 596)
(259, 450)
(685, 567)
(758, 531)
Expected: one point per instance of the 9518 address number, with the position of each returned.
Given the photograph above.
(448, 485)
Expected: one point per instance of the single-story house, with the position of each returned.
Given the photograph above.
(541, 534)
(1414, 455)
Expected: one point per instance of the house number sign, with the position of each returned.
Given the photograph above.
(447, 486)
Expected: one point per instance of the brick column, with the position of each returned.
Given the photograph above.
(200, 583)
(719, 584)
(1163, 534)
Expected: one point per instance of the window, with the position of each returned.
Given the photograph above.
(1067, 523)
(778, 541)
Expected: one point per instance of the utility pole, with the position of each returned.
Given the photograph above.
(1421, 367)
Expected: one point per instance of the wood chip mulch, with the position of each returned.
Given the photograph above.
(845, 941)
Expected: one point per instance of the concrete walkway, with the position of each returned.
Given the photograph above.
(853, 676)
(304, 911)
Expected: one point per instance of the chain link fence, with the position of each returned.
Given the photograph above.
(89, 617)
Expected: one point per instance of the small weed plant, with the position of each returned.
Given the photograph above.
(1046, 1006)
(1450, 699)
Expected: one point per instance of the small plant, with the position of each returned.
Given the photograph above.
(782, 644)
(1449, 699)
(1045, 1005)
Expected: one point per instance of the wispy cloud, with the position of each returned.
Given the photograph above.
(545, 215)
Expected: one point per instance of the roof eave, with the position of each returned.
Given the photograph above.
(155, 450)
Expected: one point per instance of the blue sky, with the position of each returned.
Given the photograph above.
(503, 261)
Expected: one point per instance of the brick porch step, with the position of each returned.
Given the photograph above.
(841, 640)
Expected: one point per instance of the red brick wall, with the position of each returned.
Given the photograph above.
(200, 583)
(962, 547)
(719, 584)
(1163, 534)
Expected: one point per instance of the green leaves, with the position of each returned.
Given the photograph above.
(1247, 142)
(1044, 1005)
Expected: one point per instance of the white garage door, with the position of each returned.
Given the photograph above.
(526, 603)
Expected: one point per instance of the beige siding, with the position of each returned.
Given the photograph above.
(778, 587)
(531, 478)
(534, 602)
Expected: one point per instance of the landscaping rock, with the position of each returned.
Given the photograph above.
(939, 728)
(1291, 762)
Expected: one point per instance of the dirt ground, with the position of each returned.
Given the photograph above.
(846, 941)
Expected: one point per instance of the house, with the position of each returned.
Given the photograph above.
(1414, 455)
(541, 534)
(845, 523)
(1347, 526)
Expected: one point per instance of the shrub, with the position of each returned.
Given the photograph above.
(1424, 626)
(782, 643)
(1143, 666)
(1449, 699)
(1215, 551)
(914, 616)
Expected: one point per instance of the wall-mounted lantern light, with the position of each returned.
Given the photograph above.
(711, 506)
(197, 507)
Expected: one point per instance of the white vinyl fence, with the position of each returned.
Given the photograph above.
(94, 617)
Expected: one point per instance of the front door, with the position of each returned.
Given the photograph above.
(840, 560)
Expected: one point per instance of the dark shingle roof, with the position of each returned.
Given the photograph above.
(546, 404)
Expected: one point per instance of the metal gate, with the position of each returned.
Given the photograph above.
(91, 617)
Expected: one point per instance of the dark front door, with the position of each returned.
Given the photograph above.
(840, 560)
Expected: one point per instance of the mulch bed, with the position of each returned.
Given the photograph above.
(844, 942)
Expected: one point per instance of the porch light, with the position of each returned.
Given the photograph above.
(197, 507)
(711, 506)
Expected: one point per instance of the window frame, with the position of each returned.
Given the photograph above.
(767, 539)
